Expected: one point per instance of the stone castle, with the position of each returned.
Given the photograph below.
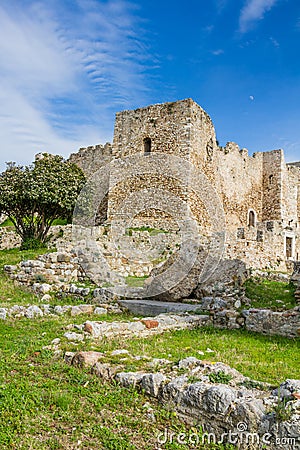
(260, 194)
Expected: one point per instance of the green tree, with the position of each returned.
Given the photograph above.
(34, 196)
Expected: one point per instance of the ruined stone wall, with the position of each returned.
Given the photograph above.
(262, 184)
(156, 129)
(239, 184)
(91, 159)
(273, 165)
(259, 247)
(290, 194)
(167, 125)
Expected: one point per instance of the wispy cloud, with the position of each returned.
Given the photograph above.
(274, 42)
(253, 11)
(64, 72)
(218, 52)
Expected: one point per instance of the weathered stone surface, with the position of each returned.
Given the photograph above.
(218, 399)
(189, 363)
(287, 389)
(71, 336)
(81, 309)
(100, 311)
(3, 313)
(185, 287)
(86, 359)
(129, 379)
(104, 371)
(154, 307)
(68, 357)
(10, 269)
(273, 323)
(228, 273)
(151, 383)
(33, 311)
(250, 411)
(170, 392)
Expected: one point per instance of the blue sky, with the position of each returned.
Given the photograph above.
(66, 67)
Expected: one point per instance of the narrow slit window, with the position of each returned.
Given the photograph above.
(289, 247)
(251, 219)
(147, 146)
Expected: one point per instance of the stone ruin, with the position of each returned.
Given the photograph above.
(260, 194)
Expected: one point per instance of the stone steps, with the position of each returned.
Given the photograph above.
(153, 307)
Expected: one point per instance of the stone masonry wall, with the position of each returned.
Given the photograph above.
(92, 158)
(261, 184)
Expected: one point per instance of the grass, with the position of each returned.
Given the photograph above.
(270, 294)
(262, 358)
(133, 281)
(45, 404)
(151, 231)
(10, 292)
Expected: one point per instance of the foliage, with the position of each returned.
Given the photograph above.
(151, 231)
(34, 196)
(270, 294)
(134, 281)
(219, 377)
(282, 410)
(7, 223)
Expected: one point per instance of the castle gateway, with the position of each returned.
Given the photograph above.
(260, 194)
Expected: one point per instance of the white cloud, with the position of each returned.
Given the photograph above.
(253, 11)
(274, 42)
(218, 52)
(64, 72)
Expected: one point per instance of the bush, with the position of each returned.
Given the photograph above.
(32, 244)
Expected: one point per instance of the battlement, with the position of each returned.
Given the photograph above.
(92, 158)
(253, 189)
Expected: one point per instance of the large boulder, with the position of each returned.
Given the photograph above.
(208, 276)
(183, 274)
(228, 277)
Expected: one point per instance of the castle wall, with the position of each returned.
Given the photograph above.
(238, 182)
(290, 194)
(162, 128)
(92, 158)
(167, 125)
(260, 194)
(273, 166)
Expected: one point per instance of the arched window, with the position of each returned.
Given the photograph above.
(147, 145)
(251, 218)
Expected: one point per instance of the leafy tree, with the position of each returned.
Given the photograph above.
(34, 196)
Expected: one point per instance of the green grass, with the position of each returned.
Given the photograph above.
(45, 404)
(262, 358)
(10, 292)
(135, 281)
(151, 231)
(270, 294)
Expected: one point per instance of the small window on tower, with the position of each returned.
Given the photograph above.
(147, 146)
(251, 218)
